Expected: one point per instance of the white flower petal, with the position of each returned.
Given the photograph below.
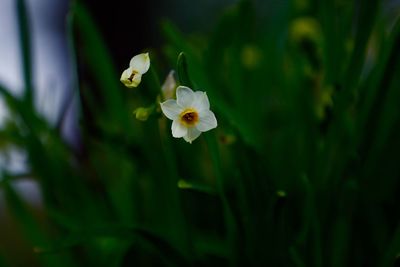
(126, 74)
(192, 134)
(184, 96)
(178, 130)
(207, 121)
(171, 109)
(201, 101)
(168, 87)
(140, 63)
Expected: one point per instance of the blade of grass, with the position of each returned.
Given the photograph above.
(183, 71)
(378, 93)
(228, 213)
(134, 234)
(296, 258)
(100, 63)
(26, 55)
(30, 227)
(366, 18)
(392, 250)
(187, 185)
(74, 91)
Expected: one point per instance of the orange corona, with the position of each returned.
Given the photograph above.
(189, 117)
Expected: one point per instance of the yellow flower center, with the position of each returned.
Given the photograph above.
(189, 117)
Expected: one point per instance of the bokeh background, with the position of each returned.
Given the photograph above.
(303, 169)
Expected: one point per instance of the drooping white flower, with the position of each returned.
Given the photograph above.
(138, 66)
(190, 113)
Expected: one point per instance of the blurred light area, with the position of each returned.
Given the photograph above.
(10, 60)
(52, 82)
(13, 160)
(51, 63)
(51, 66)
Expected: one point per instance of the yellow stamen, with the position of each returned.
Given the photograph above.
(189, 117)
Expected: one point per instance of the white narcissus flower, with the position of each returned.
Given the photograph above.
(138, 66)
(190, 113)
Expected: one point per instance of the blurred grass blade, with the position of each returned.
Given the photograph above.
(20, 109)
(392, 251)
(367, 16)
(136, 236)
(74, 92)
(336, 30)
(153, 82)
(100, 62)
(20, 212)
(175, 37)
(230, 223)
(341, 226)
(65, 108)
(30, 227)
(26, 47)
(186, 185)
(192, 56)
(340, 233)
(296, 258)
(378, 89)
(183, 73)
(364, 24)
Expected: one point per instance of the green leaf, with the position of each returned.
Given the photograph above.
(187, 185)
(392, 250)
(296, 257)
(100, 64)
(26, 55)
(183, 73)
(30, 227)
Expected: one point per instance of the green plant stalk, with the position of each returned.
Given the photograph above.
(26, 47)
(228, 213)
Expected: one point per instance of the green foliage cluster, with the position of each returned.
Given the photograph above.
(302, 170)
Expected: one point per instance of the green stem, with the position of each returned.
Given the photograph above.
(228, 213)
(25, 42)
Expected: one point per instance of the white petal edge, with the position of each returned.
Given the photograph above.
(171, 109)
(201, 101)
(192, 134)
(178, 130)
(207, 121)
(126, 74)
(185, 96)
(140, 63)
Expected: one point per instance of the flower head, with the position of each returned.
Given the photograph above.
(138, 66)
(190, 113)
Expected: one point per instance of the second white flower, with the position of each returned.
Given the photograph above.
(190, 113)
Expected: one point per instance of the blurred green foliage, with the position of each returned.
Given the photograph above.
(302, 170)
